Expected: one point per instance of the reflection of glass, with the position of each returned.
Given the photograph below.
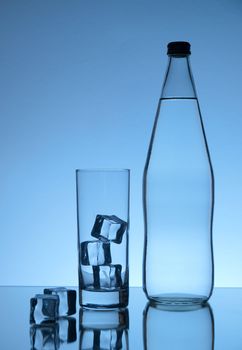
(103, 329)
(103, 220)
(183, 328)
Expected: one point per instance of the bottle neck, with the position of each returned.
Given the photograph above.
(178, 79)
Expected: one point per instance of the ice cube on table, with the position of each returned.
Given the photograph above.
(44, 336)
(107, 276)
(67, 297)
(103, 339)
(44, 307)
(67, 329)
(95, 253)
(109, 228)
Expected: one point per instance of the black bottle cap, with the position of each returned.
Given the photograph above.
(178, 48)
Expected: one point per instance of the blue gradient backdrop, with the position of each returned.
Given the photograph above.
(79, 86)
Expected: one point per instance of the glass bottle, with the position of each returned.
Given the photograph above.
(178, 193)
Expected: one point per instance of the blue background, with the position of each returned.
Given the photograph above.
(79, 86)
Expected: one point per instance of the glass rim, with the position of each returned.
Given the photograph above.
(102, 170)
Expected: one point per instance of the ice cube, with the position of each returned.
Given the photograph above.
(67, 329)
(44, 336)
(44, 307)
(103, 339)
(109, 228)
(86, 276)
(95, 253)
(100, 277)
(67, 297)
(107, 276)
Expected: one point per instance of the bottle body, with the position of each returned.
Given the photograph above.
(178, 198)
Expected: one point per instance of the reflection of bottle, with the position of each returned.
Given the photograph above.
(183, 328)
(178, 193)
(103, 329)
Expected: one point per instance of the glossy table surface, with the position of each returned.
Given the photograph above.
(217, 326)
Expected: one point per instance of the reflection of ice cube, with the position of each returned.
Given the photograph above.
(67, 329)
(44, 336)
(109, 228)
(107, 276)
(67, 299)
(44, 307)
(95, 253)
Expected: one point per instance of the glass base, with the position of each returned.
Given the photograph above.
(104, 299)
(178, 299)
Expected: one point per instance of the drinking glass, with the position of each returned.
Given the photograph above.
(103, 225)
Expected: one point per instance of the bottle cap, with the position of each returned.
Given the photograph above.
(178, 48)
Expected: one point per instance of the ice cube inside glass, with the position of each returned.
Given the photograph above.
(95, 253)
(107, 276)
(109, 228)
